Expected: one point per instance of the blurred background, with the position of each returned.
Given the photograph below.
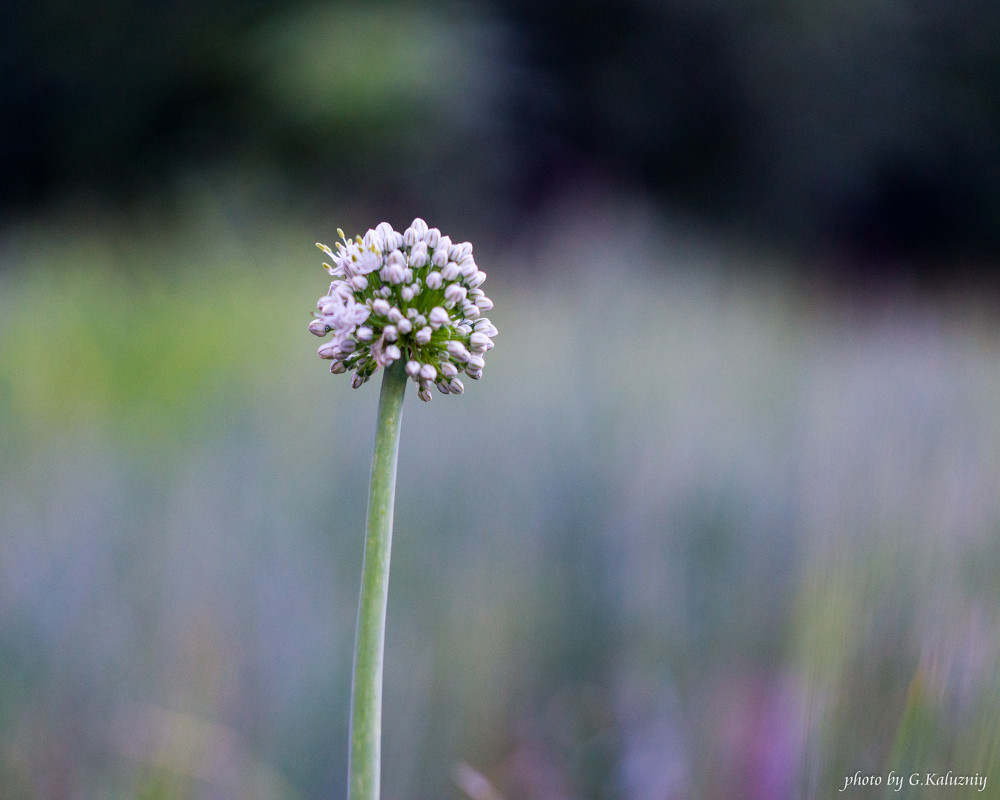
(731, 533)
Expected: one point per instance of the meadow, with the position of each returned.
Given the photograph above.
(700, 531)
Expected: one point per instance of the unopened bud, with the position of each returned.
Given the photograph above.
(438, 317)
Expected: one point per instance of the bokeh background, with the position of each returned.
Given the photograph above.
(721, 519)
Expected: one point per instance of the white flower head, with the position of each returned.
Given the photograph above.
(413, 296)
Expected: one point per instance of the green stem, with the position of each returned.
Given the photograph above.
(366, 696)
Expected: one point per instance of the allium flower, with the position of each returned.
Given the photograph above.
(413, 296)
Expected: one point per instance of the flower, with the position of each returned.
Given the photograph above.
(413, 296)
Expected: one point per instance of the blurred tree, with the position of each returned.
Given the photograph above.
(869, 128)
(113, 96)
(866, 129)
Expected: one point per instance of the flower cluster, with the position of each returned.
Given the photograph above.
(413, 295)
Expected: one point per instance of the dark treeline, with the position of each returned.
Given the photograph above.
(867, 130)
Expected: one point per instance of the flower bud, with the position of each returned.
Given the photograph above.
(419, 228)
(393, 273)
(458, 251)
(327, 349)
(467, 267)
(418, 255)
(454, 293)
(458, 350)
(394, 241)
(438, 317)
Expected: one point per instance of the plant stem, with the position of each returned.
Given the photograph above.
(363, 767)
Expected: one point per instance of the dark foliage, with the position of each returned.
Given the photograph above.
(868, 130)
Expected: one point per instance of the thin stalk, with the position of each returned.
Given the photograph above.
(363, 767)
